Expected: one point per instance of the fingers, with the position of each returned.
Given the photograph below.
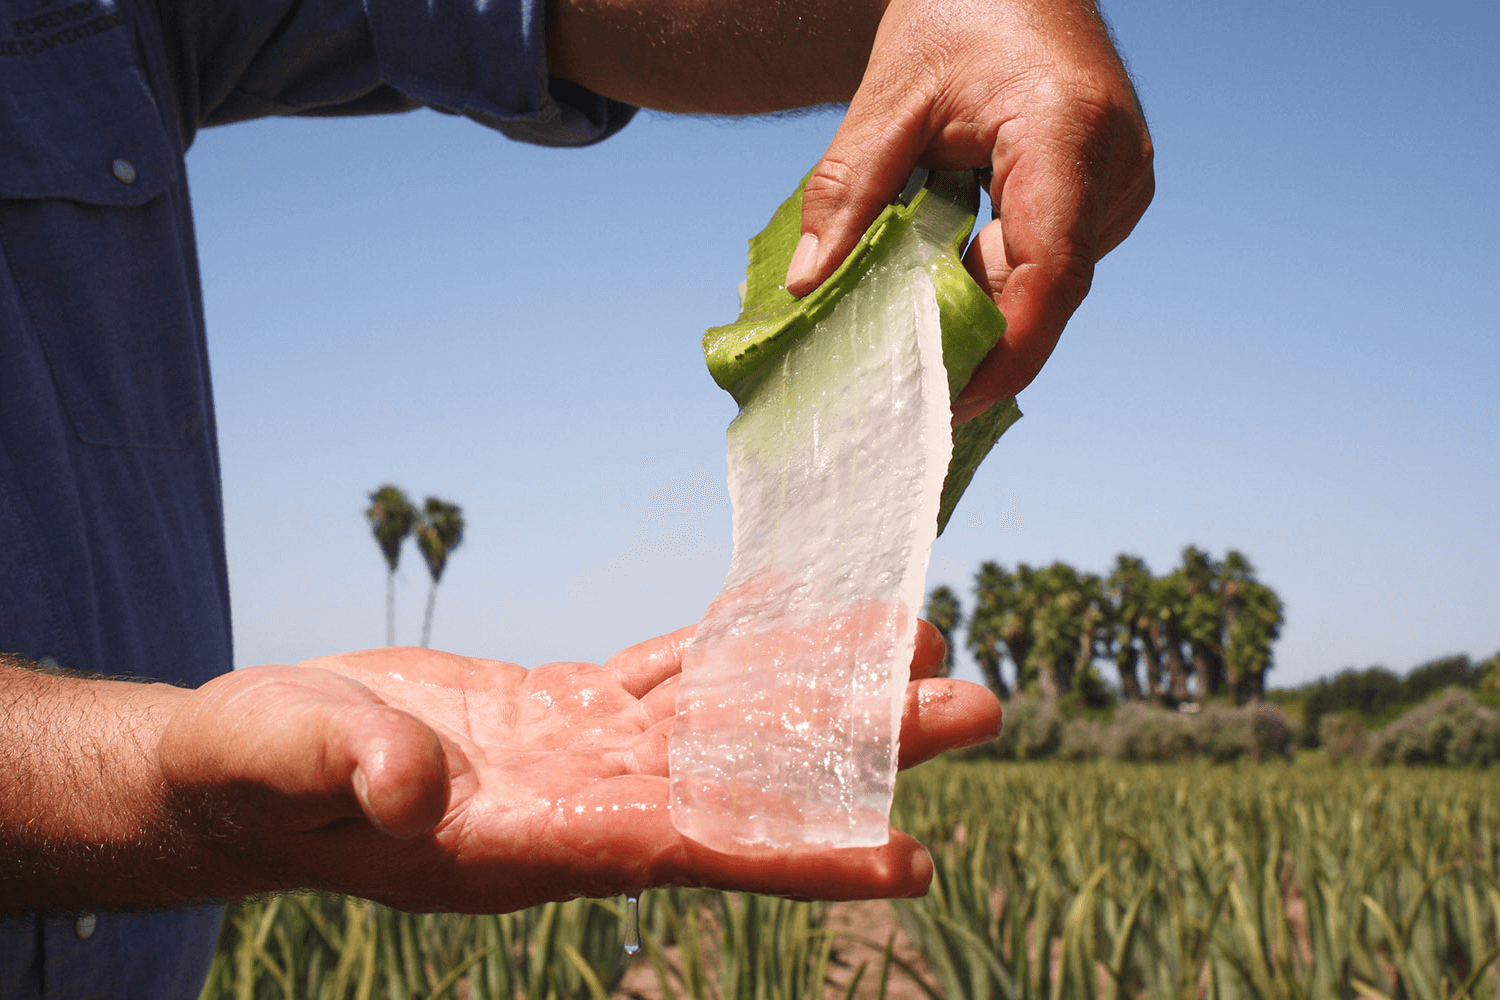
(624, 831)
(927, 658)
(1034, 91)
(646, 664)
(1036, 260)
(938, 714)
(1067, 193)
(1037, 298)
(866, 166)
(941, 714)
(660, 703)
(399, 773)
(848, 188)
(890, 124)
(901, 868)
(285, 751)
(647, 754)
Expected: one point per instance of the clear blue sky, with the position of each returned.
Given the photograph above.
(1295, 355)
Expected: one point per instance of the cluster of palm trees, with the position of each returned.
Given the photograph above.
(439, 529)
(1203, 630)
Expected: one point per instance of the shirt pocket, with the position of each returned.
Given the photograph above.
(101, 254)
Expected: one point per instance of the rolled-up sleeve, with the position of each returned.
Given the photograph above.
(487, 59)
(484, 59)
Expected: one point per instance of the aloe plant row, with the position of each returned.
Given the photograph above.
(1051, 880)
(1178, 882)
(700, 945)
(320, 947)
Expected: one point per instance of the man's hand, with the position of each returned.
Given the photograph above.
(433, 781)
(1030, 89)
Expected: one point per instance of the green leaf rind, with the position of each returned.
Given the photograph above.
(771, 320)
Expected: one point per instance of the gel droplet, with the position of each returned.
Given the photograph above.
(632, 925)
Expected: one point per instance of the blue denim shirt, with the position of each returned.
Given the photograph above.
(111, 533)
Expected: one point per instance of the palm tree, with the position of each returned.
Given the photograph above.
(391, 515)
(1129, 592)
(1236, 581)
(1071, 624)
(992, 586)
(945, 613)
(440, 530)
(1257, 625)
(1168, 602)
(1018, 623)
(1096, 629)
(1203, 619)
(1058, 596)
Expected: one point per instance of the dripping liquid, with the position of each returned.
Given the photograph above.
(632, 925)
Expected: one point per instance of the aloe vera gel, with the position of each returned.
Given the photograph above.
(842, 469)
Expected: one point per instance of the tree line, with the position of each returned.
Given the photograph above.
(1376, 696)
(1203, 630)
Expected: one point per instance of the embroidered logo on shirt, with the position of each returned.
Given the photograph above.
(54, 28)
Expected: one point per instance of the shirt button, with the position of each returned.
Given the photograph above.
(84, 926)
(124, 171)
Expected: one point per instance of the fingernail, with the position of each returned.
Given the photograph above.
(804, 259)
(362, 793)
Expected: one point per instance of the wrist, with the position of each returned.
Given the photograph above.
(85, 820)
(762, 56)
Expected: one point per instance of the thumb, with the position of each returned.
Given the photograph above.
(396, 767)
(287, 750)
(867, 164)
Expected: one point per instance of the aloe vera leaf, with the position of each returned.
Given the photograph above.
(790, 701)
(789, 706)
(939, 218)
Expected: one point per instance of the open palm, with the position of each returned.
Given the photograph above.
(433, 781)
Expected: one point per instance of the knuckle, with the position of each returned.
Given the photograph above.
(1074, 271)
(1103, 124)
(830, 185)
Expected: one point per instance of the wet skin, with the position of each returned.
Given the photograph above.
(429, 780)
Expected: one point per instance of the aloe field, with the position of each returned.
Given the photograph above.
(1052, 881)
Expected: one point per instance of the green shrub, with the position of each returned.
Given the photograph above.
(1036, 729)
(1032, 730)
(1082, 739)
(1379, 696)
(1273, 732)
(1344, 737)
(1219, 733)
(1144, 733)
(1369, 692)
(1452, 728)
(1444, 672)
(1223, 734)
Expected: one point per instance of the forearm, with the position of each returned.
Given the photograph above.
(86, 820)
(713, 57)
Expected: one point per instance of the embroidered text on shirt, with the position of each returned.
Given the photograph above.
(70, 25)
